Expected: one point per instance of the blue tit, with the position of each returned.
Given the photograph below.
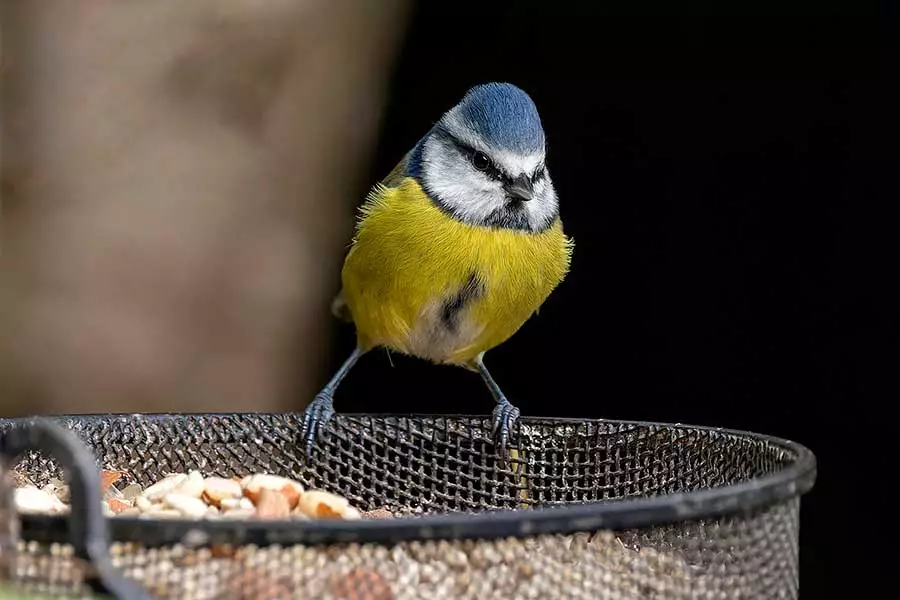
(456, 248)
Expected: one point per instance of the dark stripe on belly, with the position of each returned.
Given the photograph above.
(455, 304)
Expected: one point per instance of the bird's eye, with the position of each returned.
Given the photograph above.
(481, 161)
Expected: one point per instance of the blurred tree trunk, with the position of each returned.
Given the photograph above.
(177, 195)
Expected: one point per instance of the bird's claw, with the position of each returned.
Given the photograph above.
(504, 419)
(315, 418)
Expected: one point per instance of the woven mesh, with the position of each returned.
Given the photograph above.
(422, 466)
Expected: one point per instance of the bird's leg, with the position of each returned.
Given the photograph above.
(505, 414)
(320, 410)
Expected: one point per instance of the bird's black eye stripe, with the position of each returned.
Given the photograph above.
(479, 159)
(539, 173)
(483, 163)
(490, 169)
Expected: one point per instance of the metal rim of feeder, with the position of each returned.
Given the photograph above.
(789, 482)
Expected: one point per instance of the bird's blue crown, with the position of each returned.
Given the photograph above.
(504, 116)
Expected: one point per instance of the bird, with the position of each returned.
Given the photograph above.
(455, 249)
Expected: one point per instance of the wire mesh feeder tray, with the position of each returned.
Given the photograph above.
(582, 509)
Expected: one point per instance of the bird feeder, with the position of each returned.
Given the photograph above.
(394, 507)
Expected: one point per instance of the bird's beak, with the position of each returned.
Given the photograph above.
(521, 188)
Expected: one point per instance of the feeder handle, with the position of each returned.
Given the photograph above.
(88, 531)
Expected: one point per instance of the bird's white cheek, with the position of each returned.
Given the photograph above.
(544, 205)
(463, 189)
(545, 192)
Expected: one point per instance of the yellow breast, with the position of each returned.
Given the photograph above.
(411, 266)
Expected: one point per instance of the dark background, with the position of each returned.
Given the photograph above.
(726, 175)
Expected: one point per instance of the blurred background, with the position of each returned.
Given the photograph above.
(179, 187)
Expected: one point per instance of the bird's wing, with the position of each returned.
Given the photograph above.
(339, 306)
(397, 174)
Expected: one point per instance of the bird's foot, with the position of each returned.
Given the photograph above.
(504, 419)
(315, 418)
